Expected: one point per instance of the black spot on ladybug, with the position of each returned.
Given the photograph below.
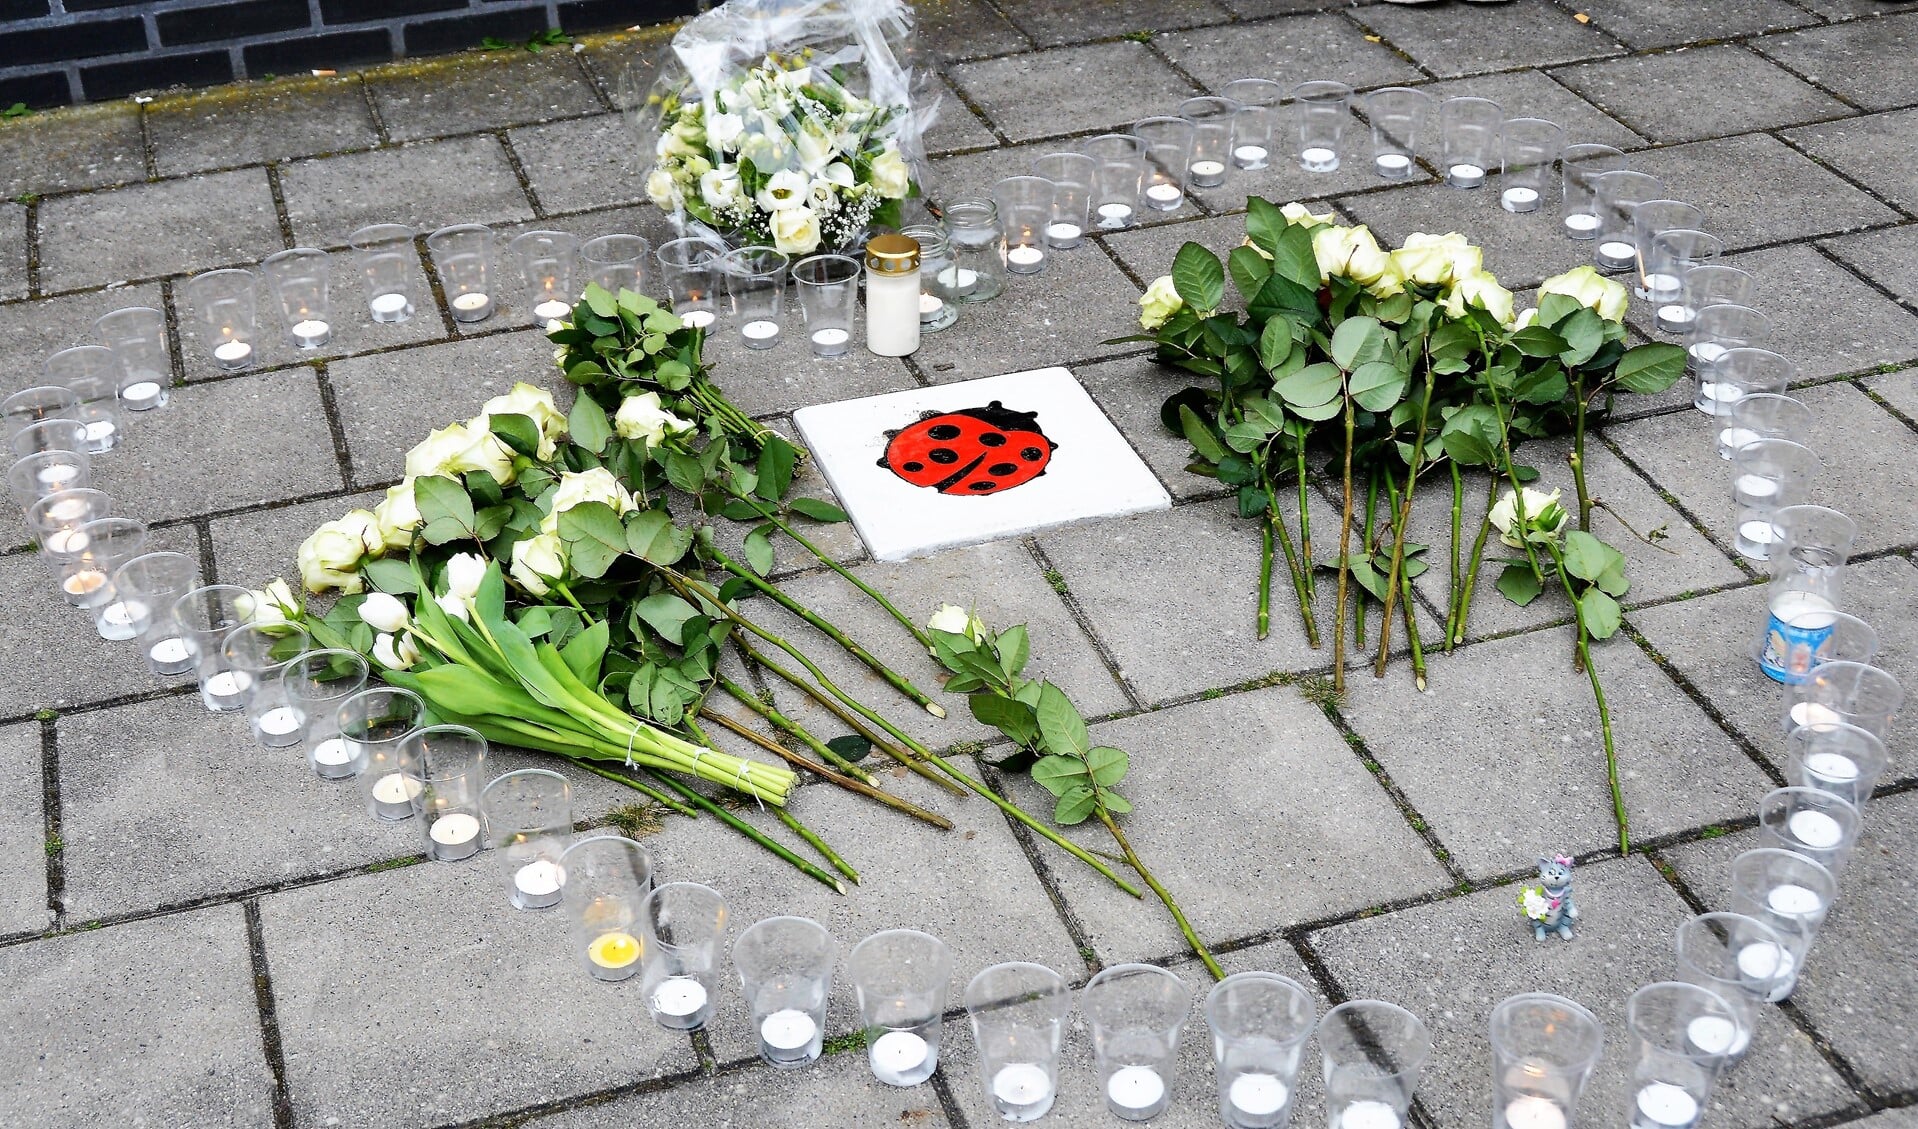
(944, 456)
(983, 485)
(1032, 454)
(992, 439)
(959, 443)
(913, 467)
(943, 431)
(1000, 470)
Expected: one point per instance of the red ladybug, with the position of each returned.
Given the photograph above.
(974, 451)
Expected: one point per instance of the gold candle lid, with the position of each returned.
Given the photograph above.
(892, 254)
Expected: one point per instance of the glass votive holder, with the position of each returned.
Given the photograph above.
(204, 617)
(1025, 210)
(978, 271)
(1718, 330)
(1674, 253)
(529, 821)
(38, 404)
(1259, 1023)
(56, 434)
(617, 262)
(1767, 475)
(1736, 374)
(1373, 1055)
(683, 924)
(148, 586)
(1018, 1013)
(1616, 199)
(1853, 693)
(301, 281)
(383, 253)
(828, 292)
(1168, 150)
(1136, 1012)
(1401, 122)
(55, 520)
(1788, 892)
(448, 762)
(1211, 120)
(1580, 167)
(137, 336)
(1468, 139)
(1651, 219)
(373, 722)
(86, 575)
(1118, 175)
(1740, 960)
(1835, 757)
(92, 374)
(900, 979)
(1071, 175)
(1671, 1075)
(226, 306)
(1812, 822)
(315, 685)
(463, 257)
(756, 288)
(33, 477)
(1255, 120)
(1543, 1050)
(1762, 415)
(1713, 284)
(1528, 151)
(785, 966)
(607, 877)
(938, 302)
(546, 262)
(690, 267)
(259, 654)
(1321, 111)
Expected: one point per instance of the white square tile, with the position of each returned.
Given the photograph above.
(967, 476)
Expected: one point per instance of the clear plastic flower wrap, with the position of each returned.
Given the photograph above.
(790, 123)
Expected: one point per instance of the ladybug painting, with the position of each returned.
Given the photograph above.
(971, 452)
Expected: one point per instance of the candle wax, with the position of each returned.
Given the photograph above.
(1063, 232)
(760, 330)
(84, 583)
(66, 541)
(1369, 1115)
(898, 1051)
(1835, 767)
(1755, 486)
(1815, 829)
(539, 879)
(828, 338)
(1529, 1112)
(1466, 174)
(1257, 1095)
(1763, 960)
(141, 394)
(1250, 154)
(279, 721)
(396, 789)
(787, 1029)
(1021, 1084)
(232, 352)
(613, 950)
(1515, 198)
(1712, 1034)
(698, 319)
(1666, 1104)
(1582, 221)
(679, 996)
(1208, 168)
(388, 307)
(332, 751)
(551, 310)
(1811, 713)
(1135, 1087)
(168, 651)
(1793, 900)
(471, 302)
(454, 829)
(1025, 256)
(1164, 193)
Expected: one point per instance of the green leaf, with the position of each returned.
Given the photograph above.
(652, 537)
(1275, 343)
(1518, 584)
(1249, 270)
(584, 651)
(600, 301)
(1312, 386)
(1013, 718)
(1115, 803)
(1554, 308)
(1584, 333)
(1538, 341)
(1060, 723)
(1651, 368)
(1356, 341)
(1294, 260)
(1199, 435)
(1076, 806)
(1282, 295)
(1377, 385)
(776, 459)
(818, 509)
(517, 431)
(1264, 224)
(1108, 765)
(445, 508)
(685, 471)
(1198, 277)
(666, 614)
(1059, 775)
(1585, 555)
(1015, 646)
(587, 424)
(759, 549)
(1600, 613)
(1470, 437)
(390, 575)
(852, 746)
(1247, 436)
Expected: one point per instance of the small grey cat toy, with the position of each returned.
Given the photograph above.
(1549, 906)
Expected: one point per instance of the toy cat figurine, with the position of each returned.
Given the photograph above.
(1549, 906)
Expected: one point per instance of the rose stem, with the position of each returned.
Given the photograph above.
(849, 783)
(1404, 509)
(1345, 550)
(1178, 915)
(753, 833)
(1598, 695)
(879, 598)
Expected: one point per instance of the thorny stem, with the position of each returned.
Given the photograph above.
(755, 834)
(1598, 696)
(1305, 532)
(1458, 521)
(1404, 519)
(913, 629)
(1132, 859)
(1345, 550)
(1456, 633)
(851, 783)
(1265, 578)
(1578, 454)
(1365, 548)
(1300, 579)
(789, 819)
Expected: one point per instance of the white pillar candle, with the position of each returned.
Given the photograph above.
(389, 307)
(1815, 829)
(1835, 767)
(698, 319)
(1789, 899)
(1666, 1104)
(233, 354)
(1528, 1111)
(788, 1029)
(311, 333)
(1368, 1115)
(1465, 175)
(1258, 1095)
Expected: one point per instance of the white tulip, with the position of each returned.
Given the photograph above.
(464, 572)
(395, 655)
(384, 612)
(454, 606)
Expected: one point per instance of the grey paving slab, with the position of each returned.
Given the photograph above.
(839, 1090)
(83, 147)
(248, 123)
(1869, 149)
(1451, 962)
(1491, 776)
(30, 332)
(1063, 315)
(956, 127)
(1050, 25)
(1865, 61)
(482, 90)
(1176, 620)
(1332, 846)
(152, 1022)
(1148, 251)
(1699, 92)
(1823, 295)
(582, 163)
(1847, 9)
(1793, 199)
(1903, 1118)
(1452, 40)
(352, 960)
(1338, 49)
(23, 846)
(511, 309)
(788, 376)
(216, 219)
(257, 546)
(1710, 640)
(428, 185)
(966, 29)
(1131, 392)
(1533, 94)
(1899, 389)
(388, 402)
(257, 439)
(1069, 89)
(1256, 9)
(1645, 23)
(1855, 990)
(1521, 249)
(1884, 257)
(13, 251)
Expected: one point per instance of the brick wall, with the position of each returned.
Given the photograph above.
(53, 52)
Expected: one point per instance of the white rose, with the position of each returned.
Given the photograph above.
(1542, 512)
(642, 417)
(1159, 302)
(815, 147)
(796, 231)
(765, 145)
(1589, 288)
(719, 188)
(384, 612)
(795, 78)
(890, 176)
(395, 655)
(464, 572)
(398, 515)
(1349, 252)
(955, 620)
(331, 557)
(783, 190)
(1434, 260)
(459, 448)
(267, 607)
(537, 404)
(1482, 290)
(663, 190)
(538, 560)
(1296, 213)
(366, 527)
(577, 488)
(1526, 317)
(723, 131)
(454, 606)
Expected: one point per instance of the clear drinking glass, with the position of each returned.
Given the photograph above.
(86, 574)
(1025, 210)
(1767, 475)
(1812, 822)
(258, 653)
(1675, 253)
(900, 978)
(137, 336)
(314, 685)
(1810, 547)
(1616, 200)
(756, 286)
(683, 924)
(1255, 120)
(1671, 1075)
(546, 261)
(529, 819)
(1716, 331)
(227, 304)
(1788, 892)
(463, 257)
(1321, 111)
(52, 434)
(1211, 120)
(1018, 1013)
(1373, 1054)
(1168, 150)
(300, 280)
(93, 376)
(1736, 374)
(55, 520)
(1528, 150)
(1401, 118)
(1837, 758)
(1136, 1012)
(1581, 166)
(33, 477)
(1072, 176)
(1846, 638)
(938, 302)
(1740, 960)
(691, 270)
(1119, 171)
(1543, 1050)
(204, 617)
(978, 271)
(828, 291)
(1259, 1023)
(1854, 693)
(607, 877)
(373, 723)
(1711, 285)
(383, 254)
(38, 404)
(1763, 415)
(617, 262)
(448, 762)
(785, 966)
(148, 585)
(1468, 139)
(1651, 219)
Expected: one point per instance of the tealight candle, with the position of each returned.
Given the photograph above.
(1204, 169)
(1519, 199)
(1707, 353)
(1792, 900)
(1168, 195)
(788, 1029)
(1815, 829)
(1732, 438)
(760, 331)
(613, 956)
(1715, 1035)
(57, 476)
(1023, 1087)
(83, 584)
(1024, 259)
(233, 354)
(141, 395)
(698, 319)
(280, 727)
(333, 758)
(1465, 175)
(1763, 960)
(1676, 315)
(1317, 158)
(1812, 713)
(1616, 253)
(1258, 1095)
(1392, 165)
(1666, 1104)
(830, 342)
(1583, 223)
(225, 690)
(539, 883)
(393, 795)
(961, 280)
(455, 836)
(69, 509)
(679, 1002)
(1063, 232)
(1528, 1111)
(390, 307)
(1250, 156)
(1368, 1115)
(1662, 286)
(116, 622)
(930, 304)
(1835, 767)
(171, 655)
(552, 309)
(311, 333)
(896, 1055)
(1110, 216)
(472, 306)
(99, 435)
(1136, 1088)
(66, 541)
